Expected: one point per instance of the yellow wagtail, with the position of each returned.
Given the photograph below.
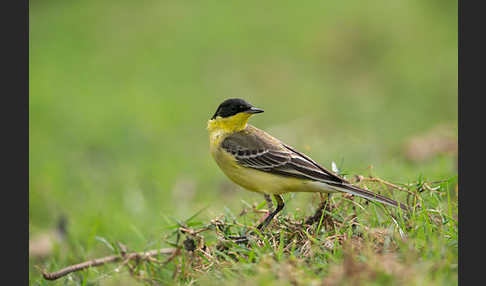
(261, 163)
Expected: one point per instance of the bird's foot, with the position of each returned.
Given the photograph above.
(318, 214)
(246, 237)
(239, 239)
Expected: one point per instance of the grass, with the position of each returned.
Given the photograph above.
(120, 93)
(351, 242)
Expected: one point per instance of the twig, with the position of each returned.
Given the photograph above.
(103, 260)
(172, 256)
(194, 232)
(430, 188)
(375, 179)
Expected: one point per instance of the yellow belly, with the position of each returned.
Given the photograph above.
(260, 181)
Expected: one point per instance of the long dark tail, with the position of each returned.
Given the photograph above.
(350, 189)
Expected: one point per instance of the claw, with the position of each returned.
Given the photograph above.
(239, 239)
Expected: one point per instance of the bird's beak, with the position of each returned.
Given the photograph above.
(254, 110)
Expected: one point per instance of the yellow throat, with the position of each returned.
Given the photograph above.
(230, 124)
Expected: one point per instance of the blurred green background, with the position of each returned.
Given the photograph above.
(121, 91)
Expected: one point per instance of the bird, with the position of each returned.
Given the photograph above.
(261, 163)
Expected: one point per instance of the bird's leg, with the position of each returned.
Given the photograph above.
(269, 201)
(325, 204)
(329, 208)
(268, 219)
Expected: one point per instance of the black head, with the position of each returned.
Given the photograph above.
(233, 106)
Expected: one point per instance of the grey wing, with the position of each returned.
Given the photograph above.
(253, 152)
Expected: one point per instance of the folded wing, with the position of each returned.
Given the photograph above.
(275, 157)
(258, 150)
